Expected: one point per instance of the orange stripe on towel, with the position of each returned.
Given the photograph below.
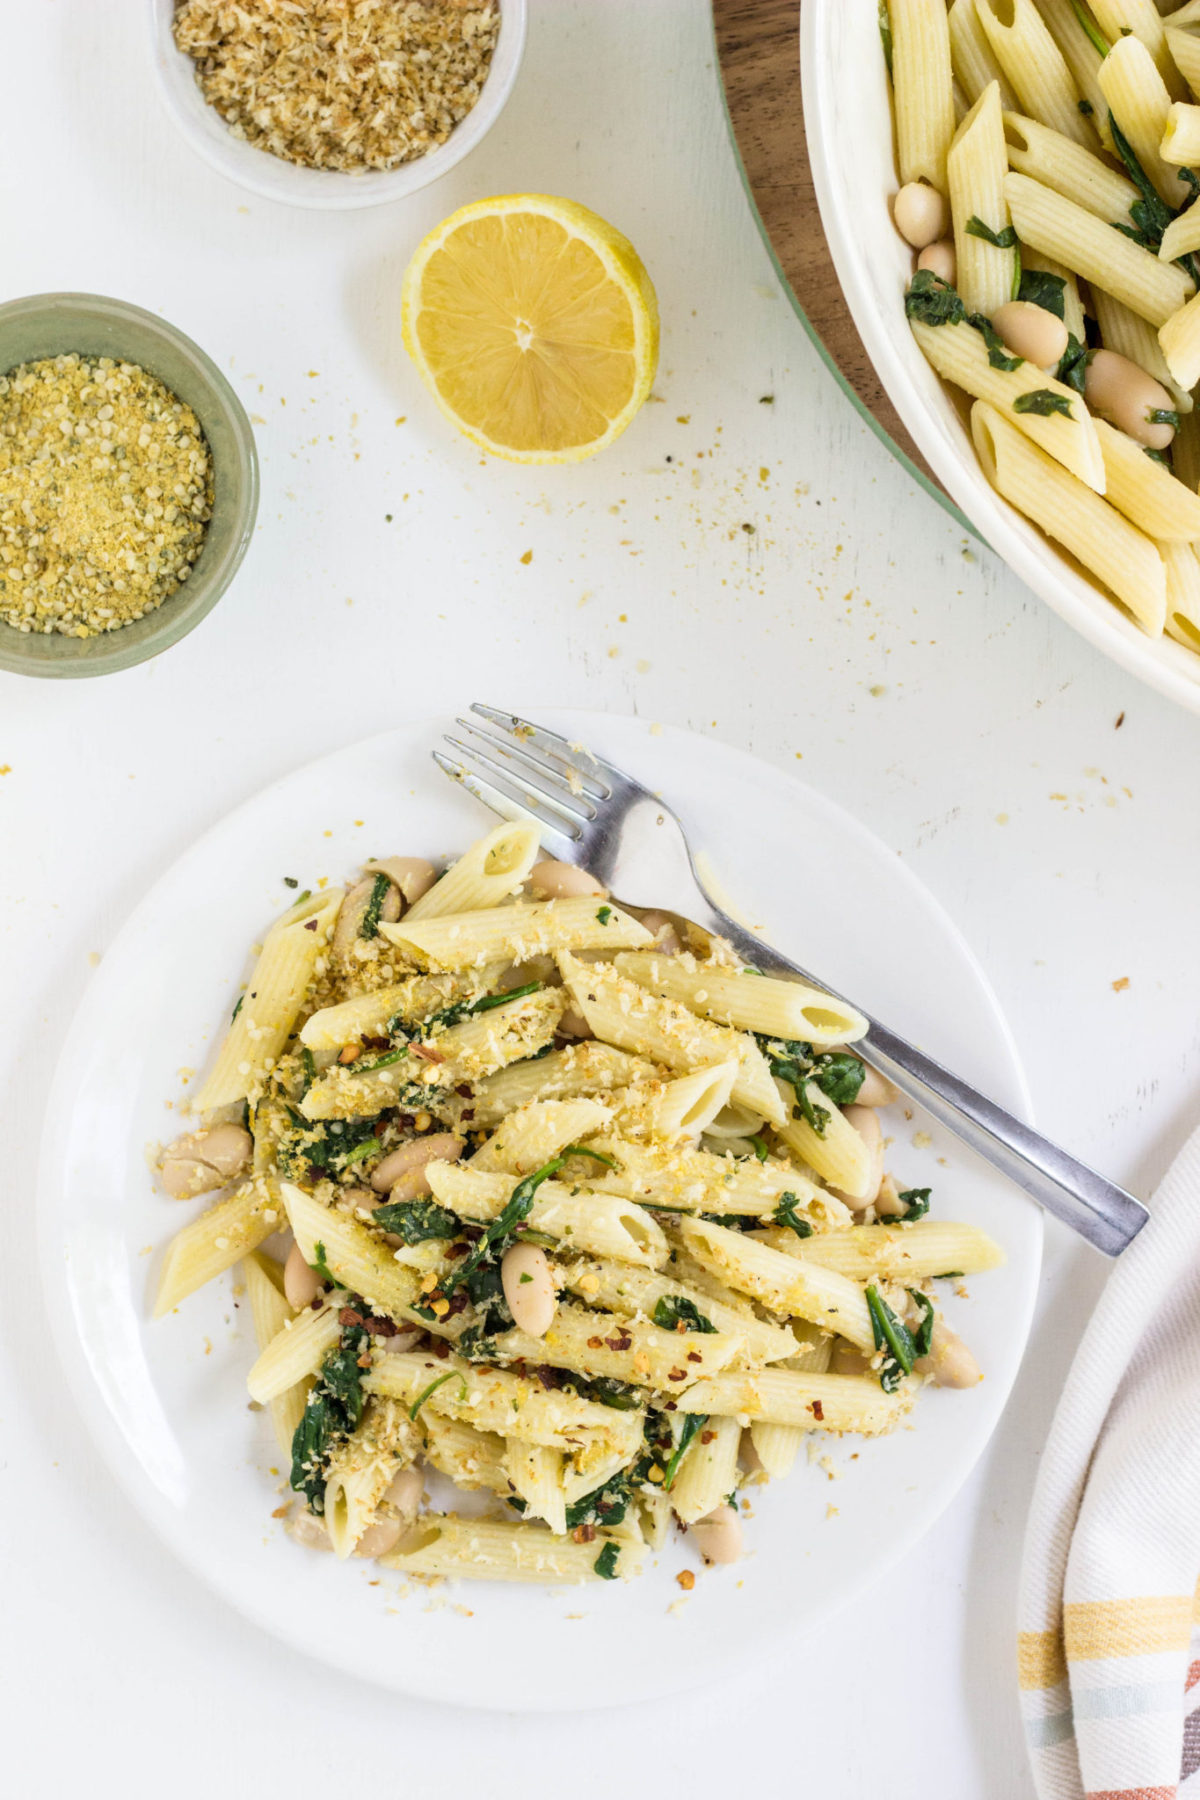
(1139, 1627)
(1155, 1793)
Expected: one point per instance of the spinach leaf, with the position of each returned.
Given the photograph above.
(674, 1310)
(817, 1116)
(894, 1338)
(1043, 402)
(604, 914)
(787, 1213)
(477, 1346)
(1005, 239)
(462, 1009)
(922, 1337)
(885, 35)
(839, 1075)
(314, 1148)
(1156, 456)
(237, 1007)
(1092, 31)
(605, 1505)
(434, 1385)
(1161, 415)
(932, 301)
(916, 1204)
(308, 1064)
(416, 1221)
(386, 1061)
(370, 919)
(332, 1412)
(1086, 108)
(760, 1148)
(605, 1564)
(1151, 215)
(486, 1289)
(321, 1266)
(693, 1424)
(1042, 289)
(519, 1206)
(998, 356)
(1073, 364)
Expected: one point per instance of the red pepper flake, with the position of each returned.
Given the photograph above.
(382, 1327)
(584, 1534)
(440, 1348)
(310, 925)
(621, 1341)
(670, 1407)
(706, 1437)
(458, 1304)
(455, 1251)
(379, 1128)
(463, 1090)
(694, 1356)
(676, 1374)
(817, 1410)
(686, 1579)
(595, 1343)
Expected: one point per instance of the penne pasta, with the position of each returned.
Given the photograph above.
(1034, 65)
(918, 1252)
(832, 1403)
(922, 84)
(493, 870)
(1070, 169)
(977, 163)
(744, 999)
(822, 1296)
(216, 1240)
(1141, 105)
(487, 1550)
(1145, 491)
(516, 933)
(1179, 339)
(975, 66)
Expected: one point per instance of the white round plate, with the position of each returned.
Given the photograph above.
(167, 1400)
(848, 126)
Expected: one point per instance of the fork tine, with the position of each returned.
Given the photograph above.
(505, 798)
(529, 794)
(543, 780)
(597, 777)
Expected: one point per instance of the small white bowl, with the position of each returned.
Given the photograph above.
(325, 189)
(848, 125)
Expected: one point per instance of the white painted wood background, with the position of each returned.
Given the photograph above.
(853, 635)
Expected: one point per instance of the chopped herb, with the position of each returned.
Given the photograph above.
(1040, 288)
(673, 1310)
(894, 1338)
(308, 1064)
(380, 1062)
(301, 898)
(290, 881)
(435, 1384)
(1093, 32)
(370, 919)
(360, 1152)
(1073, 364)
(932, 301)
(922, 1337)
(1004, 239)
(760, 1148)
(786, 1213)
(693, 1424)
(916, 1203)
(237, 1007)
(333, 1410)
(604, 914)
(1043, 402)
(416, 1221)
(605, 1564)
(1086, 108)
(477, 1346)
(606, 1390)
(1161, 415)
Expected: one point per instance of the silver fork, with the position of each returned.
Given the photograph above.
(589, 812)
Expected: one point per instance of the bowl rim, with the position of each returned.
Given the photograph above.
(112, 652)
(1079, 603)
(325, 190)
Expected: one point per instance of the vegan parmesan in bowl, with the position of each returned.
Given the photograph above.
(106, 487)
(341, 85)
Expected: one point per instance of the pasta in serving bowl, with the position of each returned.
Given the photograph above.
(1019, 264)
(578, 1212)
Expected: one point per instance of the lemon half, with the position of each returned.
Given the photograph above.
(534, 324)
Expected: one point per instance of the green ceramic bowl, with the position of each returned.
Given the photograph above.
(53, 324)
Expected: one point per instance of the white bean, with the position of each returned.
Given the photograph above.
(1030, 331)
(411, 874)
(308, 1530)
(407, 1165)
(940, 260)
(718, 1535)
(202, 1160)
(380, 1536)
(920, 213)
(876, 1089)
(399, 1342)
(405, 1492)
(552, 880)
(662, 927)
(949, 1363)
(529, 1288)
(1125, 395)
(572, 1024)
(301, 1285)
(888, 1204)
(848, 1359)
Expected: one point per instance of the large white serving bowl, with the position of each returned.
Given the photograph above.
(167, 1400)
(326, 190)
(848, 123)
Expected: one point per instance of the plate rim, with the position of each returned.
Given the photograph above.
(111, 1445)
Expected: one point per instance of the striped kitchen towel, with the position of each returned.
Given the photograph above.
(1109, 1648)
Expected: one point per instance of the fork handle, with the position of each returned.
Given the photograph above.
(1089, 1203)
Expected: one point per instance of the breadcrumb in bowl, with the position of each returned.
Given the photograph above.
(409, 89)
